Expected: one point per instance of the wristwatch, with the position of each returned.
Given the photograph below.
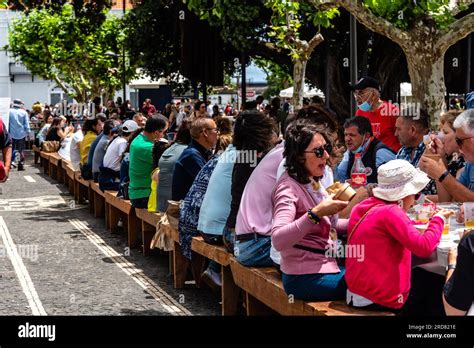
(313, 217)
(451, 266)
(443, 176)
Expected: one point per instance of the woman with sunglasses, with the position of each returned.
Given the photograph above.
(447, 146)
(305, 217)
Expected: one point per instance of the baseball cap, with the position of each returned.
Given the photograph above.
(129, 126)
(366, 82)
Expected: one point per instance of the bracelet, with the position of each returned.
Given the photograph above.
(452, 266)
(313, 217)
(443, 176)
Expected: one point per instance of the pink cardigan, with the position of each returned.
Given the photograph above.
(291, 226)
(388, 238)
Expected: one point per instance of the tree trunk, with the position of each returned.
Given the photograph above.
(299, 71)
(427, 79)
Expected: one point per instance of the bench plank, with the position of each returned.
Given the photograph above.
(117, 205)
(70, 176)
(99, 200)
(149, 222)
(54, 164)
(81, 189)
(213, 252)
(265, 285)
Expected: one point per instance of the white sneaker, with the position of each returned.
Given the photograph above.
(213, 276)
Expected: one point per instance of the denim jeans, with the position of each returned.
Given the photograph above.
(254, 252)
(316, 287)
(228, 238)
(140, 203)
(18, 148)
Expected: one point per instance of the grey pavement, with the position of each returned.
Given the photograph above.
(72, 275)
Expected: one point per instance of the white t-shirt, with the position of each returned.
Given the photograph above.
(74, 149)
(113, 155)
(65, 150)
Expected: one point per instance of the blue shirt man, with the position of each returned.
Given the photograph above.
(191, 161)
(359, 139)
(19, 124)
(467, 176)
(19, 129)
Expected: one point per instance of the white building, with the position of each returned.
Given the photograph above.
(17, 82)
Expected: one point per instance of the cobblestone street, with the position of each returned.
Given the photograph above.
(57, 259)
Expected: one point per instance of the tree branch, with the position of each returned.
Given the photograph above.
(60, 82)
(269, 51)
(455, 32)
(315, 41)
(368, 19)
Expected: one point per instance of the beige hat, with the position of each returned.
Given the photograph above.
(398, 179)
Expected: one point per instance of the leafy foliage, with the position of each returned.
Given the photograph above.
(153, 37)
(54, 45)
(404, 13)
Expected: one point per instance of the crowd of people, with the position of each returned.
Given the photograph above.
(257, 185)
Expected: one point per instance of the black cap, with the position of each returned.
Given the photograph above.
(366, 82)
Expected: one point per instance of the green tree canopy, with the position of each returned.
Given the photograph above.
(55, 45)
(424, 30)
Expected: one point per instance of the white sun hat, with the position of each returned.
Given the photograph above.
(398, 179)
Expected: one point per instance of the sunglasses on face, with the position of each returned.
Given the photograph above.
(460, 141)
(417, 196)
(319, 151)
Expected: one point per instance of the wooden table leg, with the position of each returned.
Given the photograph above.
(230, 292)
(180, 267)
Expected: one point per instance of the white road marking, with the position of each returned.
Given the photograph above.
(42, 203)
(160, 295)
(21, 271)
(29, 178)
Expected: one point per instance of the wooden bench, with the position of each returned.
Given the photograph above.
(230, 291)
(54, 165)
(69, 178)
(37, 153)
(265, 295)
(81, 189)
(98, 197)
(200, 252)
(148, 227)
(117, 207)
(45, 161)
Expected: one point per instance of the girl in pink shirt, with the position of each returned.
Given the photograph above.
(380, 227)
